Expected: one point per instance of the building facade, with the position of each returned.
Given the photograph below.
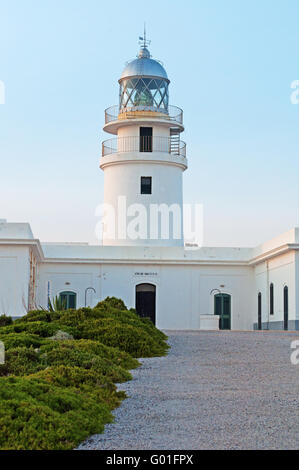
(178, 288)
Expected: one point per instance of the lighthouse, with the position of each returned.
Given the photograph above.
(144, 162)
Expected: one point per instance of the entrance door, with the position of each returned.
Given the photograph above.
(286, 308)
(68, 299)
(146, 139)
(146, 301)
(223, 309)
(259, 312)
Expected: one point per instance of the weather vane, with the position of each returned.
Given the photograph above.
(142, 40)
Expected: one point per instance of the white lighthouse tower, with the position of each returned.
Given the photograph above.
(143, 165)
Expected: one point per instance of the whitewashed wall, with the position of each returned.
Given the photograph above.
(236, 281)
(73, 277)
(183, 286)
(182, 292)
(281, 272)
(14, 279)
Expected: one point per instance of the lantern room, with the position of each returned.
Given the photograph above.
(144, 85)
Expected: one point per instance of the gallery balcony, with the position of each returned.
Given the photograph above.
(115, 118)
(133, 144)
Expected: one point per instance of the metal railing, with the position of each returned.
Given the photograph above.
(113, 113)
(144, 144)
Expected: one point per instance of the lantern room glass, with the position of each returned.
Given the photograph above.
(144, 94)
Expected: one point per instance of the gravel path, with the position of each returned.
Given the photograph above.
(215, 390)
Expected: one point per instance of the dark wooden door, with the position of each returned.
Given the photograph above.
(146, 301)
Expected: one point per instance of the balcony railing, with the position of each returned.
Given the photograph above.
(145, 144)
(174, 114)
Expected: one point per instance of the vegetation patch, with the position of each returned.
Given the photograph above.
(57, 386)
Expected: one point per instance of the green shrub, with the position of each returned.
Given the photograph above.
(118, 357)
(39, 328)
(112, 302)
(133, 340)
(15, 340)
(24, 361)
(67, 353)
(54, 394)
(40, 415)
(4, 320)
(122, 329)
(20, 361)
(39, 315)
(91, 381)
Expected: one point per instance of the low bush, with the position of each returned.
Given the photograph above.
(23, 361)
(112, 302)
(57, 386)
(134, 340)
(41, 415)
(118, 357)
(4, 320)
(39, 315)
(68, 354)
(40, 328)
(15, 340)
(20, 361)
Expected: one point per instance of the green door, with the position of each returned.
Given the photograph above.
(69, 299)
(223, 309)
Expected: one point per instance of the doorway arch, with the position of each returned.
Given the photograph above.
(146, 301)
(222, 307)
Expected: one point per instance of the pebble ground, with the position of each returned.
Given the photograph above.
(215, 390)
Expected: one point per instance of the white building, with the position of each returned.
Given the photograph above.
(178, 288)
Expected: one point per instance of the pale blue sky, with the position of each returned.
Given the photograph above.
(231, 65)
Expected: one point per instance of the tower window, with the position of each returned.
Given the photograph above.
(146, 185)
(146, 139)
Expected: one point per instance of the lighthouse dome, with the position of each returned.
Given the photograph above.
(144, 66)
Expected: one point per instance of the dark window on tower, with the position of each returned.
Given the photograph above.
(146, 185)
(146, 139)
(271, 299)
